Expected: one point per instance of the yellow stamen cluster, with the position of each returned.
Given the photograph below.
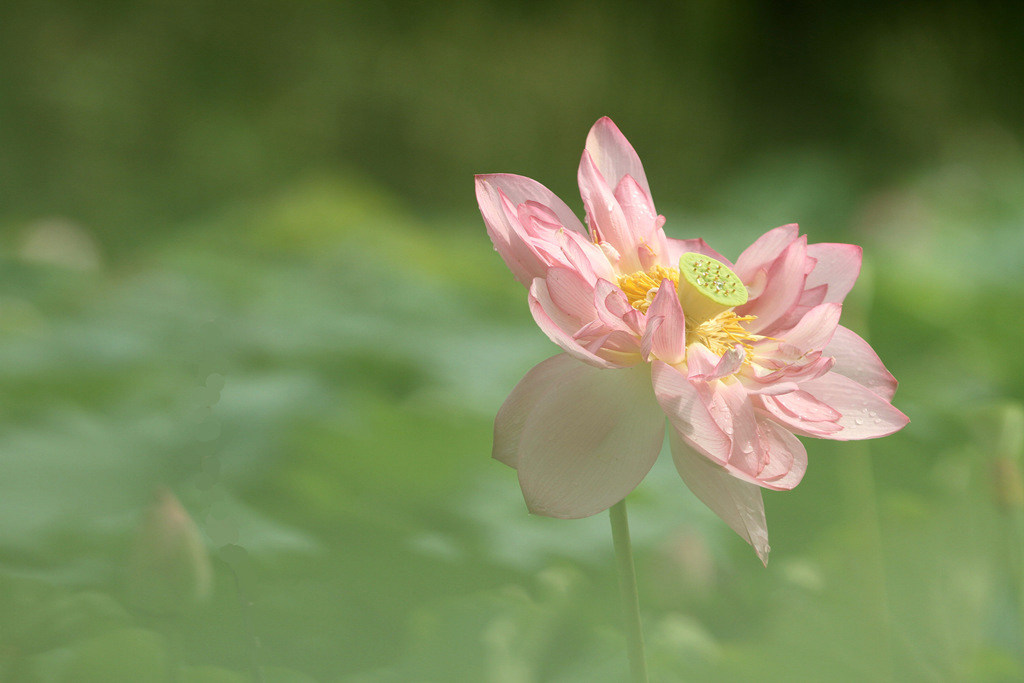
(641, 286)
(723, 332)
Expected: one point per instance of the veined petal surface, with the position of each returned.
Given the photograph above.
(585, 441)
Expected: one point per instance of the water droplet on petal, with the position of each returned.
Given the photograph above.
(858, 421)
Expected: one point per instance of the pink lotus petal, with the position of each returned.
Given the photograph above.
(572, 294)
(605, 216)
(614, 156)
(785, 457)
(857, 360)
(520, 189)
(705, 366)
(737, 502)
(677, 248)
(811, 333)
(731, 407)
(501, 230)
(865, 414)
(637, 207)
(585, 256)
(687, 412)
(765, 250)
(665, 334)
(803, 407)
(587, 440)
(838, 266)
(782, 291)
(559, 327)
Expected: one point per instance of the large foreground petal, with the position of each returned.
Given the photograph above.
(585, 440)
(511, 418)
(737, 502)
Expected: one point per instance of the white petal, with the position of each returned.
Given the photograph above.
(508, 425)
(589, 437)
(738, 503)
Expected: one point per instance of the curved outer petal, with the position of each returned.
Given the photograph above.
(614, 156)
(837, 267)
(584, 441)
(783, 288)
(857, 360)
(720, 422)
(505, 233)
(555, 324)
(606, 218)
(765, 250)
(811, 333)
(865, 414)
(511, 418)
(520, 189)
(738, 503)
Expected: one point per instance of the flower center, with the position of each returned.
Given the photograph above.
(723, 332)
(707, 287)
(641, 286)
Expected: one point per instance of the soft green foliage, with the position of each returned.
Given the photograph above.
(320, 401)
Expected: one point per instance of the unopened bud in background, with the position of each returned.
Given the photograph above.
(170, 566)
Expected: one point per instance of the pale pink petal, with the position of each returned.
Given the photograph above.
(508, 425)
(705, 366)
(585, 256)
(765, 381)
(607, 220)
(504, 233)
(737, 502)
(785, 456)
(732, 409)
(811, 333)
(677, 248)
(587, 440)
(838, 266)
(638, 208)
(760, 454)
(665, 334)
(808, 300)
(520, 189)
(687, 412)
(857, 360)
(800, 411)
(612, 307)
(614, 156)
(782, 291)
(765, 250)
(865, 414)
(559, 327)
(573, 295)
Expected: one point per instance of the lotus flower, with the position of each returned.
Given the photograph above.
(740, 357)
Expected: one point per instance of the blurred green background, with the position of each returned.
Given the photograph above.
(243, 282)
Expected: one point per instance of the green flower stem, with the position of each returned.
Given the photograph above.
(627, 585)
